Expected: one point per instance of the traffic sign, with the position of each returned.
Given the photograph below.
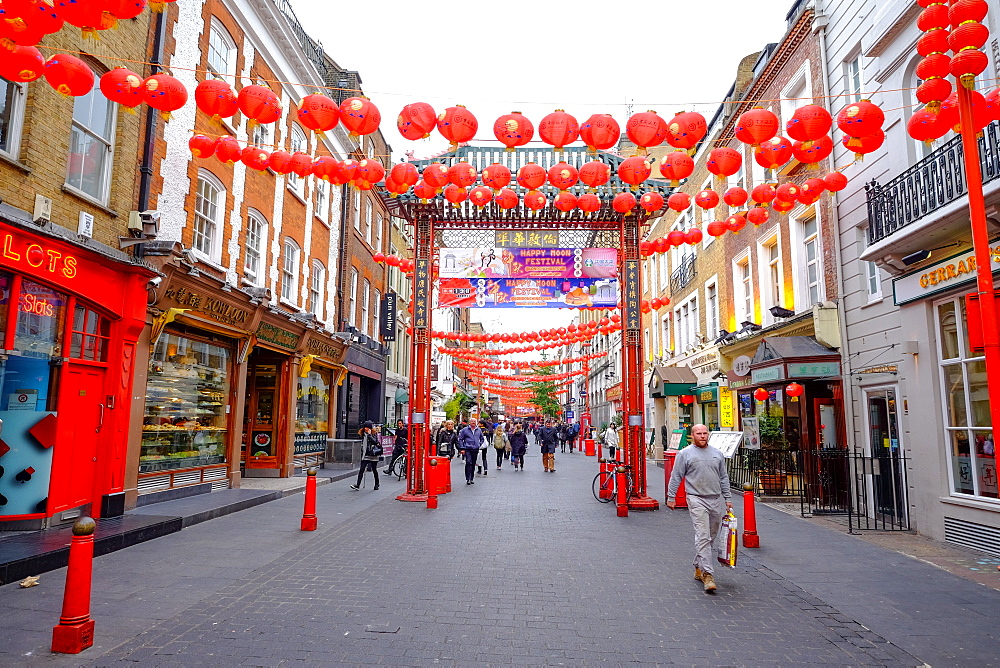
(569, 415)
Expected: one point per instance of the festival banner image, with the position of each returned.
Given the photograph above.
(528, 263)
(523, 292)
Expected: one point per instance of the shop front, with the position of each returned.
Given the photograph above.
(361, 398)
(669, 388)
(320, 376)
(70, 318)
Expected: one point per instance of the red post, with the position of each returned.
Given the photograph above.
(75, 631)
(622, 499)
(309, 511)
(981, 246)
(750, 537)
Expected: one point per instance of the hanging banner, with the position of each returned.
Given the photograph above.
(387, 326)
(528, 263)
(513, 292)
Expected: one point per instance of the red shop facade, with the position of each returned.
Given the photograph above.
(71, 313)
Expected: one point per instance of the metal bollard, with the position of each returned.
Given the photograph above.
(309, 512)
(750, 537)
(75, 631)
(622, 501)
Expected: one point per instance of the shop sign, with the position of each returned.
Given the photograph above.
(37, 259)
(882, 368)
(765, 375)
(735, 384)
(810, 370)
(307, 443)
(702, 360)
(614, 393)
(726, 417)
(708, 395)
(632, 319)
(532, 239)
(210, 306)
(387, 327)
(277, 336)
(949, 273)
(741, 365)
(421, 293)
(322, 349)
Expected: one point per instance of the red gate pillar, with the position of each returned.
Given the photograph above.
(633, 409)
(420, 361)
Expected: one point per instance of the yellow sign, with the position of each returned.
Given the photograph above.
(726, 409)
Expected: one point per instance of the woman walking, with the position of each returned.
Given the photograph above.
(500, 443)
(398, 447)
(371, 450)
(446, 440)
(518, 446)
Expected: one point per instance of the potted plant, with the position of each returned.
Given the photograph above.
(773, 446)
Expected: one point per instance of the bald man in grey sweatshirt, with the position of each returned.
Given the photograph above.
(706, 481)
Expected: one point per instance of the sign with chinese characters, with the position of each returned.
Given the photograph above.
(726, 417)
(741, 365)
(630, 304)
(512, 292)
(528, 239)
(421, 292)
(813, 370)
(528, 263)
(387, 327)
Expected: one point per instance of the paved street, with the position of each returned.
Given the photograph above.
(521, 568)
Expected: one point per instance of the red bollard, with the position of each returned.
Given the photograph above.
(605, 467)
(75, 631)
(750, 537)
(620, 486)
(588, 447)
(432, 501)
(309, 512)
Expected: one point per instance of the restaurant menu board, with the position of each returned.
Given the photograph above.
(529, 263)
(726, 442)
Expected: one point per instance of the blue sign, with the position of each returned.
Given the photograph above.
(569, 415)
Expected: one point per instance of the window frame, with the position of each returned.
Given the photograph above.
(107, 166)
(15, 119)
(712, 317)
(298, 142)
(767, 267)
(366, 293)
(353, 302)
(290, 270)
(317, 283)
(218, 226)
(800, 243)
(256, 276)
(743, 297)
(216, 28)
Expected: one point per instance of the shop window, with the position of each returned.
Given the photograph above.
(253, 254)
(91, 145)
(39, 321)
(312, 409)
(966, 406)
(221, 52)
(91, 335)
(290, 272)
(11, 117)
(209, 204)
(186, 395)
(316, 282)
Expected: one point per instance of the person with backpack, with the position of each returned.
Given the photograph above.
(562, 433)
(470, 440)
(518, 446)
(371, 451)
(573, 430)
(500, 443)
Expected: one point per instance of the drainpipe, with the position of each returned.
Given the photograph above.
(342, 396)
(149, 138)
(820, 21)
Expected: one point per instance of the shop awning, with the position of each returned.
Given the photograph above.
(782, 358)
(671, 381)
(402, 396)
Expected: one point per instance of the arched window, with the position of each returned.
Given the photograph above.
(221, 52)
(256, 242)
(317, 282)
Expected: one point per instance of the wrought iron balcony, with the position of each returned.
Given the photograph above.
(684, 274)
(928, 185)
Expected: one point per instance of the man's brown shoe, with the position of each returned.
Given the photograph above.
(709, 582)
(697, 574)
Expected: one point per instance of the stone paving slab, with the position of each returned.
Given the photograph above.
(521, 568)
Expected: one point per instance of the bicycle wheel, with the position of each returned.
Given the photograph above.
(629, 489)
(604, 482)
(399, 467)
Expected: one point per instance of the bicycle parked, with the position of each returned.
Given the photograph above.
(605, 483)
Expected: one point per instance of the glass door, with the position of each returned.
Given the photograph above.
(886, 452)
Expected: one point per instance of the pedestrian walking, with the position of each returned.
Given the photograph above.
(500, 444)
(572, 433)
(518, 446)
(398, 446)
(446, 440)
(371, 450)
(547, 438)
(470, 440)
(611, 440)
(484, 448)
(562, 433)
(706, 481)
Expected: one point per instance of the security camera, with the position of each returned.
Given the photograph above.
(154, 282)
(150, 223)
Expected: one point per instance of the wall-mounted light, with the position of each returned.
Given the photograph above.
(723, 335)
(779, 312)
(749, 326)
(921, 255)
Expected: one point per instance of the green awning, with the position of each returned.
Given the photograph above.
(402, 396)
(671, 381)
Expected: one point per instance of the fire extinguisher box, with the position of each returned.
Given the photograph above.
(974, 319)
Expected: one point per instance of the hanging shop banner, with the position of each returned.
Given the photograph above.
(546, 293)
(529, 263)
(387, 326)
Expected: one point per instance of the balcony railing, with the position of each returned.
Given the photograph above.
(684, 274)
(928, 185)
(312, 48)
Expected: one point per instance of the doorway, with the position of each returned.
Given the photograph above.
(263, 444)
(887, 474)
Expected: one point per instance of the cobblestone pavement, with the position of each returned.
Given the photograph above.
(522, 568)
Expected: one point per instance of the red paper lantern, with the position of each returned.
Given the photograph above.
(760, 394)
(774, 153)
(424, 191)
(707, 199)
(531, 176)
(69, 75)
(693, 236)
(300, 164)
(661, 245)
(863, 145)
(809, 123)
(787, 192)
(676, 165)
(812, 186)
(812, 151)
(932, 91)
(724, 161)
(967, 64)
(588, 203)
(933, 17)
(462, 174)
(595, 173)
(645, 248)
(646, 129)
(43, 17)
(122, 86)
(416, 121)
(371, 170)
(686, 129)
(933, 41)
(675, 238)
(651, 201)
(535, 200)
(835, 181)
(926, 125)
(318, 113)
(735, 223)
(456, 194)
(966, 10)
(378, 257)
(860, 119)
(457, 124)
(563, 175)
(763, 193)
(347, 171)
(395, 189)
(624, 203)
(436, 174)
(279, 160)
(513, 130)
(259, 103)
(255, 158)
(325, 167)
(758, 216)
(227, 149)
(565, 201)
(634, 171)
(794, 390)
(756, 126)
(686, 399)
(506, 198)
(679, 201)
(735, 196)
(215, 97)
(559, 129)
(716, 228)
(90, 17)
(481, 196)
(600, 132)
(781, 206)
(23, 63)
(496, 176)
(404, 174)
(360, 116)
(968, 35)
(202, 146)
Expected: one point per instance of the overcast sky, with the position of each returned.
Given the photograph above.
(535, 57)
